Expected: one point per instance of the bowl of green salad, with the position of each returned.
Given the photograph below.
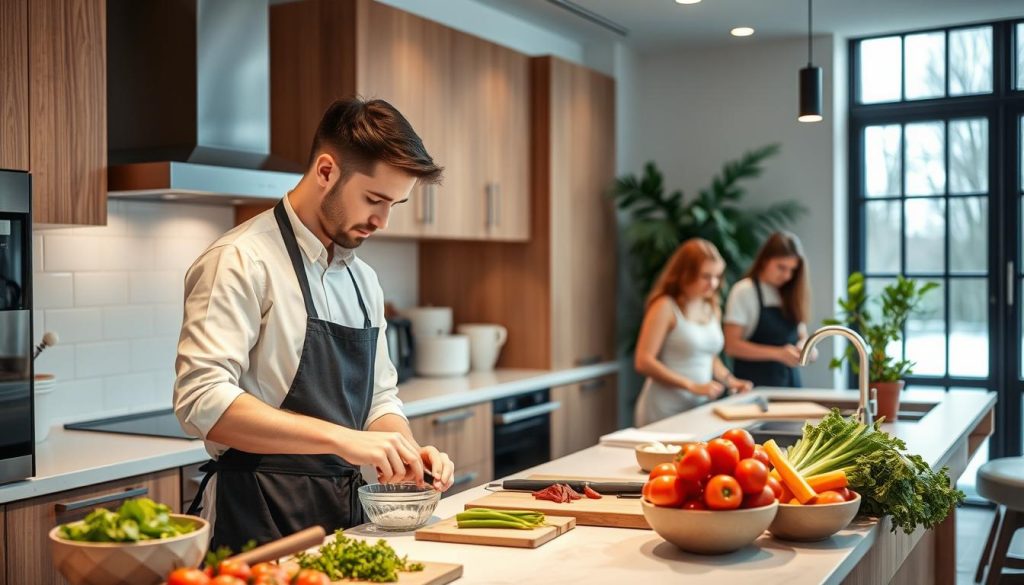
(139, 543)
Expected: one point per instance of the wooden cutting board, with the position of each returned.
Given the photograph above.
(797, 410)
(608, 511)
(432, 574)
(447, 530)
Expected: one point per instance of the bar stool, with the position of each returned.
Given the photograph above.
(1001, 481)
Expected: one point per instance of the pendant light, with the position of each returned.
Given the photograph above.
(810, 82)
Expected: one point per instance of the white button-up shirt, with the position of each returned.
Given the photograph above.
(245, 321)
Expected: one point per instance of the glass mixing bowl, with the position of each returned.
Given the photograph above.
(398, 507)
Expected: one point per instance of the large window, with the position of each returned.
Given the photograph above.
(937, 193)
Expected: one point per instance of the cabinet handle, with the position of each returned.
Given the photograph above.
(464, 478)
(489, 199)
(62, 507)
(592, 384)
(1011, 276)
(515, 416)
(456, 416)
(497, 204)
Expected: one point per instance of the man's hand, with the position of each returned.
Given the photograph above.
(395, 458)
(440, 465)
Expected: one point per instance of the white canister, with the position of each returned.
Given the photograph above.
(44, 385)
(485, 343)
(430, 321)
(442, 355)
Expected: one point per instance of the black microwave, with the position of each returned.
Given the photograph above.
(17, 447)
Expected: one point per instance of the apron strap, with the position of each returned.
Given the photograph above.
(359, 296)
(210, 467)
(757, 289)
(288, 235)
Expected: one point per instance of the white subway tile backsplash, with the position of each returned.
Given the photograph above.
(169, 318)
(65, 252)
(75, 325)
(58, 360)
(156, 287)
(101, 289)
(125, 253)
(131, 322)
(155, 353)
(102, 359)
(177, 255)
(38, 326)
(37, 253)
(53, 290)
(77, 400)
(163, 386)
(128, 392)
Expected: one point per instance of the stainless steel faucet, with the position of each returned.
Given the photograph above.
(868, 407)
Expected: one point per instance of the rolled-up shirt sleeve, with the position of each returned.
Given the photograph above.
(385, 377)
(220, 327)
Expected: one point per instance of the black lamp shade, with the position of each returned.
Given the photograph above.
(810, 94)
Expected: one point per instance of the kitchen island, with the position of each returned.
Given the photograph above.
(866, 552)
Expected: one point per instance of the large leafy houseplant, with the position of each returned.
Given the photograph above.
(657, 222)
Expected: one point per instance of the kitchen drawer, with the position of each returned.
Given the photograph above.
(589, 409)
(465, 434)
(469, 476)
(190, 480)
(28, 557)
(3, 548)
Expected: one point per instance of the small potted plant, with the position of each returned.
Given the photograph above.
(898, 301)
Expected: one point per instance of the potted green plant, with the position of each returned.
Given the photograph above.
(898, 301)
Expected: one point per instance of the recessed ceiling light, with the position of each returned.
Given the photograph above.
(742, 31)
(687, 1)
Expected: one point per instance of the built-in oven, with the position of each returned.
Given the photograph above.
(17, 447)
(522, 431)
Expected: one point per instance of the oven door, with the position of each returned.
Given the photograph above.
(522, 435)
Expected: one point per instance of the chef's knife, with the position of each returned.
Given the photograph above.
(605, 488)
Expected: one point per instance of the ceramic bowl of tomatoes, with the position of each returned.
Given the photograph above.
(827, 514)
(709, 532)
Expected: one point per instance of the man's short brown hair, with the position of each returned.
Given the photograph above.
(362, 133)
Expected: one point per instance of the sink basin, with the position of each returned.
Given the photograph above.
(786, 432)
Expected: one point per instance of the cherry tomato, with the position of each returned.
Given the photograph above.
(227, 580)
(723, 493)
(663, 469)
(187, 577)
(667, 490)
(269, 574)
(847, 494)
(776, 486)
(646, 491)
(208, 571)
(829, 497)
(761, 455)
(724, 456)
(311, 577)
(694, 505)
(743, 440)
(762, 498)
(694, 463)
(234, 569)
(751, 474)
(270, 580)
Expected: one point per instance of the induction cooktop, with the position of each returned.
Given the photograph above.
(157, 423)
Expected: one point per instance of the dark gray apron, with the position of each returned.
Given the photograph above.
(773, 328)
(266, 497)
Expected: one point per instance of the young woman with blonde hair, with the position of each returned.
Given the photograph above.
(681, 336)
(767, 312)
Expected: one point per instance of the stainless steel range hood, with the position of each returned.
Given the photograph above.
(188, 102)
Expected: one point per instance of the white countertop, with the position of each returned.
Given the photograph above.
(73, 459)
(589, 555)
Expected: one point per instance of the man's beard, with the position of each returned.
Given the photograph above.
(331, 211)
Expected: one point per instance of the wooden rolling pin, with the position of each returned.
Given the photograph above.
(301, 540)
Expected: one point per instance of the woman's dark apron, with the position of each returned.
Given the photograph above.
(773, 328)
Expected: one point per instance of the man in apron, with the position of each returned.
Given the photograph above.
(282, 366)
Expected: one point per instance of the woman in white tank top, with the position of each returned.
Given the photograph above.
(681, 336)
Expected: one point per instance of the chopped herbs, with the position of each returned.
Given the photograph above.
(346, 558)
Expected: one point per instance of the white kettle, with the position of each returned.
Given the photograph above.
(485, 343)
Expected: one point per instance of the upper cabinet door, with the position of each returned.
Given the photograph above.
(14, 85)
(507, 111)
(67, 110)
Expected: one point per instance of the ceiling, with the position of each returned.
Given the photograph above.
(659, 24)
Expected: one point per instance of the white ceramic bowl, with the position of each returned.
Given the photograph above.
(709, 532)
(398, 507)
(808, 523)
(648, 460)
(442, 355)
(139, 563)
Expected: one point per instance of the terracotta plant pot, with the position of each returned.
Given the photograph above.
(888, 398)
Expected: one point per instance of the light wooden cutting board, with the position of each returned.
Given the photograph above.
(797, 410)
(608, 511)
(432, 574)
(447, 530)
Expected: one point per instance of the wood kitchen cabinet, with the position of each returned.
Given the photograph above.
(3, 547)
(28, 556)
(465, 434)
(14, 84)
(589, 410)
(67, 110)
(467, 98)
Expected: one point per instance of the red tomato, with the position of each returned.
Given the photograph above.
(724, 456)
(311, 577)
(743, 440)
(847, 494)
(694, 463)
(751, 475)
(269, 574)
(187, 577)
(761, 455)
(829, 497)
(208, 571)
(694, 505)
(775, 485)
(723, 493)
(227, 580)
(763, 498)
(234, 569)
(662, 469)
(667, 490)
(647, 491)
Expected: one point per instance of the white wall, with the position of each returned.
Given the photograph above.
(696, 109)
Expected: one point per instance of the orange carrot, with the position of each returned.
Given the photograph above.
(790, 478)
(832, 480)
